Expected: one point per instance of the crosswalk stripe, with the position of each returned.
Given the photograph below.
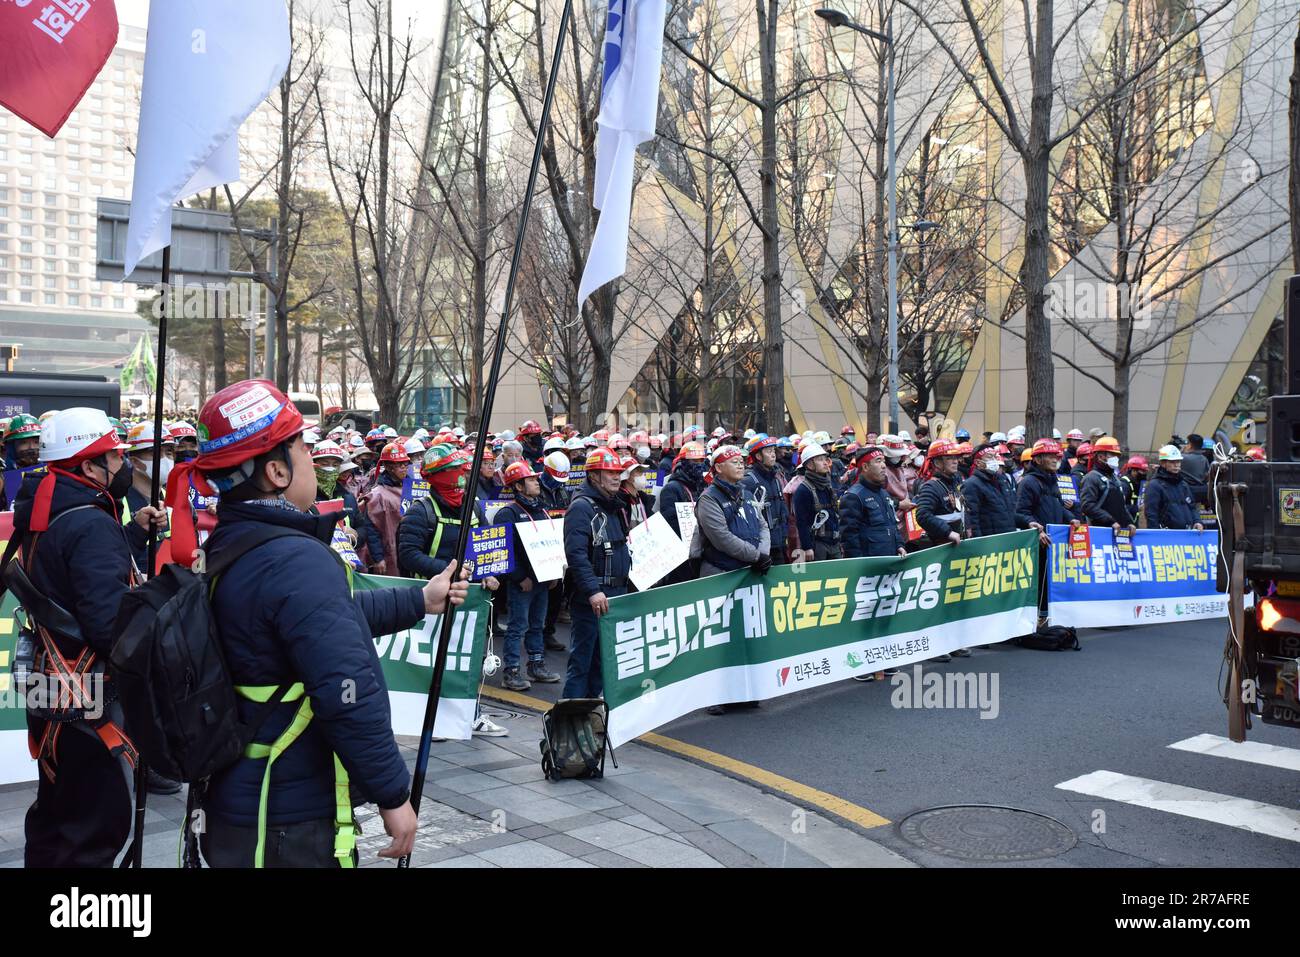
(1255, 752)
(1253, 816)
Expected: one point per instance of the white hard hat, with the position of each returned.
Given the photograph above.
(327, 450)
(810, 452)
(557, 464)
(357, 442)
(1056, 434)
(311, 436)
(553, 443)
(413, 447)
(421, 433)
(78, 433)
(905, 436)
(574, 444)
(390, 433)
(822, 438)
(998, 437)
(1167, 453)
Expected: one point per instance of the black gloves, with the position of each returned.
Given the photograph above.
(761, 564)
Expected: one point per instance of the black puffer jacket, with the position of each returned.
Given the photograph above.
(1101, 498)
(990, 500)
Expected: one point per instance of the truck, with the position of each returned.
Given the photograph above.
(1258, 507)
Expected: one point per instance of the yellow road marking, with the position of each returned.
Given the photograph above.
(855, 813)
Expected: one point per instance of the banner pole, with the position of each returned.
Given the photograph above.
(471, 486)
(142, 772)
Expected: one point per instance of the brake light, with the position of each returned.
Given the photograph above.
(1279, 615)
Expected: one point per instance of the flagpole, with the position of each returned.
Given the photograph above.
(471, 488)
(141, 772)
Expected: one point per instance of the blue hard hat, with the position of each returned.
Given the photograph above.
(1208, 444)
(784, 442)
(963, 434)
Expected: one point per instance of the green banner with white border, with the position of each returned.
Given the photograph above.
(406, 658)
(741, 637)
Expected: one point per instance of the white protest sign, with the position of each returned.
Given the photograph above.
(544, 543)
(656, 551)
(686, 521)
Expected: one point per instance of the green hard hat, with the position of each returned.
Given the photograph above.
(121, 429)
(23, 427)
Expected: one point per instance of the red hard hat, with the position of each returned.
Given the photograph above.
(517, 471)
(393, 452)
(940, 447)
(1256, 453)
(243, 421)
(1046, 447)
(1136, 462)
(530, 428)
(603, 459)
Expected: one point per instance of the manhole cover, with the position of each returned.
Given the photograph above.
(982, 833)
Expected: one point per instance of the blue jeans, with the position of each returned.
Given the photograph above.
(527, 616)
(583, 678)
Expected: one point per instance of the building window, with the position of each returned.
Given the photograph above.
(51, 282)
(119, 304)
(26, 213)
(74, 283)
(26, 231)
(97, 302)
(26, 264)
(74, 300)
(51, 299)
(26, 247)
(25, 297)
(25, 280)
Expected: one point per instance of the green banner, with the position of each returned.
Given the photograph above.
(742, 637)
(406, 658)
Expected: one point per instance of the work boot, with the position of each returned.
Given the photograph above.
(513, 681)
(716, 709)
(554, 644)
(538, 672)
(158, 784)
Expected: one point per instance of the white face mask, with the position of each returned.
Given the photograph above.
(1113, 461)
(918, 461)
(642, 481)
(992, 465)
(166, 470)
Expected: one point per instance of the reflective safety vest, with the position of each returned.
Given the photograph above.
(441, 521)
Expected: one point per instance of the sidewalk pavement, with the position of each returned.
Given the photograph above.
(486, 804)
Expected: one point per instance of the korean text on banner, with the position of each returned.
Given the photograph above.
(656, 551)
(743, 637)
(1170, 577)
(490, 551)
(544, 544)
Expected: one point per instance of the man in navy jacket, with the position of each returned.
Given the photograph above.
(1171, 501)
(868, 523)
(285, 615)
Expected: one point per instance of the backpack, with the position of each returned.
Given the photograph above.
(573, 739)
(1051, 638)
(171, 674)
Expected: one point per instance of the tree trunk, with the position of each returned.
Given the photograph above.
(773, 411)
(1040, 402)
(297, 358)
(220, 379)
(1119, 404)
(478, 332)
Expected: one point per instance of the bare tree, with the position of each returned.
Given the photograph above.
(367, 162)
(1028, 130)
(1136, 218)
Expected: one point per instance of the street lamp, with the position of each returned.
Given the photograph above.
(835, 18)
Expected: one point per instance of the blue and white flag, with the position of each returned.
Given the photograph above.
(629, 102)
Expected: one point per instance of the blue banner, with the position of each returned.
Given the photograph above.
(490, 551)
(14, 480)
(1169, 577)
(413, 489)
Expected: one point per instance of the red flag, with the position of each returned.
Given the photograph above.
(53, 50)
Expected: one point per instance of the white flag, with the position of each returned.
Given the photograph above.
(207, 66)
(629, 101)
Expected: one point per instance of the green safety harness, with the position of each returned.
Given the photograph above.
(345, 826)
(442, 521)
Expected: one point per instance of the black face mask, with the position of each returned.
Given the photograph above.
(27, 458)
(121, 482)
(186, 455)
